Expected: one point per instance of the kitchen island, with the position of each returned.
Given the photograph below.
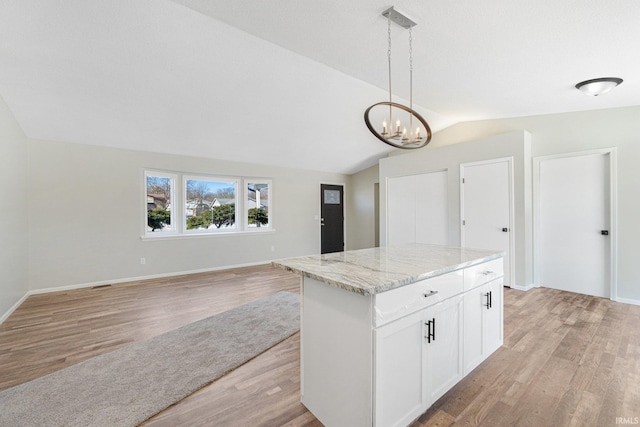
(386, 331)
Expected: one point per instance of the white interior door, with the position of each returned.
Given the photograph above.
(573, 224)
(486, 208)
(417, 209)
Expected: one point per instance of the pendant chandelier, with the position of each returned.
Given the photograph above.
(395, 117)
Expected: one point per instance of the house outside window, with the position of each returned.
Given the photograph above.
(210, 204)
(179, 204)
(258, 204)
(160, 191)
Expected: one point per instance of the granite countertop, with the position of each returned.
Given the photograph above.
(375, 270)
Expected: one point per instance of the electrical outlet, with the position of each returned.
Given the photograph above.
(143, 261)
(273, 248)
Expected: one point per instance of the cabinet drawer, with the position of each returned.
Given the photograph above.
(482, 273)
(399, 302)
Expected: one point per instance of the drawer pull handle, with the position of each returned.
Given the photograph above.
(488, 272)
(429, 294)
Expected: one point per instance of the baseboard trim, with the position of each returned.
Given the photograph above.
(6, 315)
(138, 278)
(523, 288)
(628, 301)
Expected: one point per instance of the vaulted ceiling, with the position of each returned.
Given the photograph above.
(286, 83)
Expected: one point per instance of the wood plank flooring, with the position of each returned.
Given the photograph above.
(567, 359)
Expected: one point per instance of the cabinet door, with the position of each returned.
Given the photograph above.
(482, 323)
(473, 329)
(493, 318)
(400, 367)
(443, 347)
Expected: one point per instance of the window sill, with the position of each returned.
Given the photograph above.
(148, 238)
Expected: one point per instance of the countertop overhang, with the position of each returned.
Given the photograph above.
(375, 270)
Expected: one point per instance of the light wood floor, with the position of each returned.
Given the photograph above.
(567, 359)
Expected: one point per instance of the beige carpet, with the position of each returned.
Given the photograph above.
(129, 385)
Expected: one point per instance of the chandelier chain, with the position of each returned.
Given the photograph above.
(410, 80)
(389, 61)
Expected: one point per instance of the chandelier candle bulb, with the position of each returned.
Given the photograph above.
(384, 127)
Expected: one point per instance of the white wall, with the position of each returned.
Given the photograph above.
(360, 200)
(554, 134)
(514, 144)
(13, 212)
(572, 132)
(86, 221)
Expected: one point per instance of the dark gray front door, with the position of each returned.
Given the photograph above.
(332, 218)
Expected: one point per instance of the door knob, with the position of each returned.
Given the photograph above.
(604, 232)
(505, 230)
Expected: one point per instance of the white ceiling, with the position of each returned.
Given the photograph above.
(287, 82)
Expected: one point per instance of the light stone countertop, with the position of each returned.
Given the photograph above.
(375, 270)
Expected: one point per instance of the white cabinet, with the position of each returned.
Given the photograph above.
(443, 342)
(482, 323)
(400, 394)
(418, 358)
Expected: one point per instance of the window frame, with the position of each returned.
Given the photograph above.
(211, 178)
(175, 216)
(245, 208)
(178, 192)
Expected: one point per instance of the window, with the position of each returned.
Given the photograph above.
(210, 204)
(178, 204)
(257, 204)
(160, 216)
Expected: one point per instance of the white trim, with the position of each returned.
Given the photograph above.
(613, 214)
(175, 214)
(512, 223)
(245, 210)
(523, 288)
(628, 301)
(138, 278)
(238, 205)
(6, 315)
(152, 238)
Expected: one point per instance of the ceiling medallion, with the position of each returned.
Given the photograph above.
(398, 136)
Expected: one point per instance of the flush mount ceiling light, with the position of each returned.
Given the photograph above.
(398, 136)
(596, 87)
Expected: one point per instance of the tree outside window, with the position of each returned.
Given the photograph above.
(159, 198)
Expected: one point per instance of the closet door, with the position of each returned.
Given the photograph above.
(417, 209)
(431, 208)
(401, 210)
